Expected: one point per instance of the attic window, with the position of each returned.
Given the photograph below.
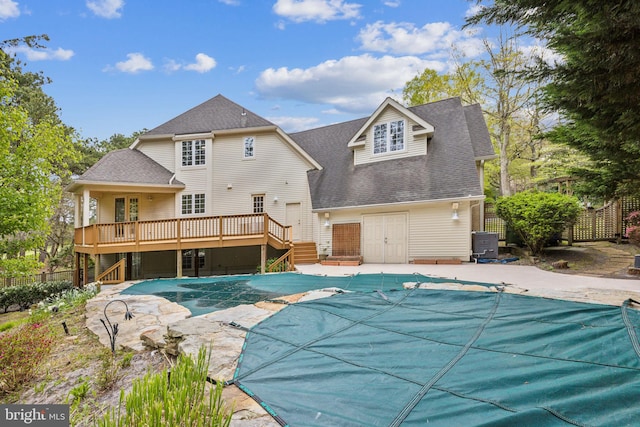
(388, 137)
(193, 153)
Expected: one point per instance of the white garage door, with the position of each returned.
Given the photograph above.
(385, 238)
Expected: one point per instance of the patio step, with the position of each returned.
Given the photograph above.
(305, 253)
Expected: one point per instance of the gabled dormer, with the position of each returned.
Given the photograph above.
(392, 132)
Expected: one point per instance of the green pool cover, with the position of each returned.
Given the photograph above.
(445, 358)
(203, 295)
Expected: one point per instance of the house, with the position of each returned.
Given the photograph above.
(219, 190)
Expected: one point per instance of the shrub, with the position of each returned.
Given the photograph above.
(21, 351)
(633, 227)
(26, 295)
(537, 216)
(179, 400)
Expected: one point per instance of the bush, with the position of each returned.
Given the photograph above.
(537, 216)
(633, 227)
(21, 351)
(26, 295)
(179, 400)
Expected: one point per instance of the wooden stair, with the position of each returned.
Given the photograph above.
(305, 253)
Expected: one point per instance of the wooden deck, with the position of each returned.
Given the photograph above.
(182, 233)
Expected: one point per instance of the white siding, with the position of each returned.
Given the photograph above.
(160, 151)
(276, 170)
(414, 146)
(432, 233)
(160, 207)
(195, 178)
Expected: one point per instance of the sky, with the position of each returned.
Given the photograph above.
(120, 66)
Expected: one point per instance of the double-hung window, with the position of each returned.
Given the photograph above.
(249, 147)
(193, 204)
(388, 137)
(193, 153)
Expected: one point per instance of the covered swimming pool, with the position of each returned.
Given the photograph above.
(429, 357)
(384, 355)
(203, 295)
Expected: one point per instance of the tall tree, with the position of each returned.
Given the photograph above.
(34, 150)
(495, 84)
(595, 86)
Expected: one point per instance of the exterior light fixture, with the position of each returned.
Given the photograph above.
(275, 199)
(454, 207)
(112, 329)
(326, 219)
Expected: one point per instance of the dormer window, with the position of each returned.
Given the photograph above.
(388, 137)
(193, 153)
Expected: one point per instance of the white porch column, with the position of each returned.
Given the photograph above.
(85, 208)
(77, 213)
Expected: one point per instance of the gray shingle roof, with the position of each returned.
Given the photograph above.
(447, 171)
(128, 167)
(482, 147)
(218, 113)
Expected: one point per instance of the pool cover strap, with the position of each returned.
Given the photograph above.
(439, 357)
(297, 348)
(425, 389)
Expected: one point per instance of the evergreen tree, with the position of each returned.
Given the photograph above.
(594, 86)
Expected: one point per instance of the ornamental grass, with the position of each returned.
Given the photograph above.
(177, 397)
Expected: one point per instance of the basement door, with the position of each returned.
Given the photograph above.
(385, 239)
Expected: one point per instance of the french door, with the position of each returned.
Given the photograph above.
(126, 210)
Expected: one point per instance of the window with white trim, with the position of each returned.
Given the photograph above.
(388, 137)
(193, 204)
(258, 203)
(249, 147)
(198, 203)
(193, 153)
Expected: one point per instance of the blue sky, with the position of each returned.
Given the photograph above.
(119, 66)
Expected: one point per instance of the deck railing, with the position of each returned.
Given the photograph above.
(179, 230)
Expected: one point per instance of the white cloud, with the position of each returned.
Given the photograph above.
(171, 66)
(230, 2)
(356, 84)
(392, 3)
(203, 64)
(537, 51)
(106, 8)
(135, 63)
(239, 69)
(473, 9)
(316, 10)
(294, 124)
(43, 54)
(405, 38)
(9, 9)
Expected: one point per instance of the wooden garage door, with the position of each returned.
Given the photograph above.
(346, 239)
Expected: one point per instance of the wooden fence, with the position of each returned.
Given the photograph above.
(39, 278)
(605, 223)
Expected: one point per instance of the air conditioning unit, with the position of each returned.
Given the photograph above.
(484, 245)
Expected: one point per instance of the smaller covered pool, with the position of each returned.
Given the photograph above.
(203, 295)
